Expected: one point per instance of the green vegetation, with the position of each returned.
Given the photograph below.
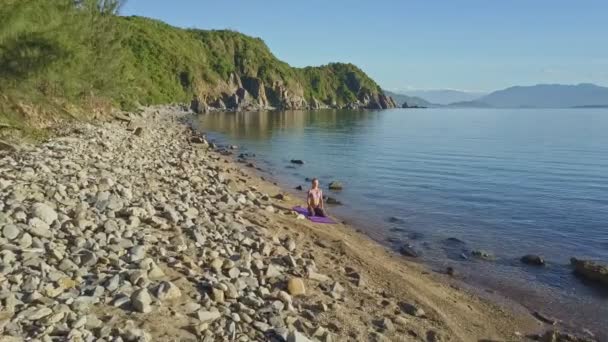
(67, 59)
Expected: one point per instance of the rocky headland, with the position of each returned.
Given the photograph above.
(136, 230)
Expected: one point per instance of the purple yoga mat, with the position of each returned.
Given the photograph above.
(315, 219)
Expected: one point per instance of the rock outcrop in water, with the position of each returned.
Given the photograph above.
(591, 270)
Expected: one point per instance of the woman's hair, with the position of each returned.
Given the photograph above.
(315, 180)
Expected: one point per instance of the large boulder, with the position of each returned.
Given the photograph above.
(591, 270)
(335, 185)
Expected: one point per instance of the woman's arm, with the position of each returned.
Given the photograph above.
(322, 200)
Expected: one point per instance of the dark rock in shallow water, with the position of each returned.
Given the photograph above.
(591, 270)
(454, 241)
(482, 255)
(532, 259)
(335, 185)
(297, 161)
(299, 187)
(450, 271)
(395, 219)
(331, 200)
(408, 250)
(393, 239)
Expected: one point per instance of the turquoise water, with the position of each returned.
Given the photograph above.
(511, 182)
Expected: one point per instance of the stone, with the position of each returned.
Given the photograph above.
(44, 212)
(482, 255)
(40, 313)
(137, 253)
(261, 326)
(318, 277)
(411, 309)
(155, 272)
(332, 201)
(141, 300)
(387, 325)
(207, 316)
(295, 287)
(11, 231)
(67, 265)
(191, 308)
(591, 270)
(296, 336)
(234, 272)
(531, 259)
(290, 245)
(273, 271)
(217, 295)
(285, 297)
(166, 290)
(297, 161)
(409, 250)
(39, 228)
(335, 185)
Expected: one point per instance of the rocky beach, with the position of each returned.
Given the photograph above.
(136, 229)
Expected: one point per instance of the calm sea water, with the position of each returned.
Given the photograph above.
(511, 182)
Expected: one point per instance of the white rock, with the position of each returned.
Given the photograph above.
(39, 228)
(44, 212)
(208, 316)
(11, 231)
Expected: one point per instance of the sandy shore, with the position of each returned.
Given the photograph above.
(132, 230)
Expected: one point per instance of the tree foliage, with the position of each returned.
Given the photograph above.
(75, 50)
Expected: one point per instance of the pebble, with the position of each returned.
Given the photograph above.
(412, 310)
(141, 300)
(44, 212)
(207, 316)
(11, 231)
(296, 287)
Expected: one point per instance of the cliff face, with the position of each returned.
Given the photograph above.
(250, 94)
(227, 70)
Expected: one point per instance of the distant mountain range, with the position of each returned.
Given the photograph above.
(411, 101)
(584, 95)
(445, 96)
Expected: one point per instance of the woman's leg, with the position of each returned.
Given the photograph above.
(311, 211)
(320, 212)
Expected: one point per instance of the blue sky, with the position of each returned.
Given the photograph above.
(477, 45)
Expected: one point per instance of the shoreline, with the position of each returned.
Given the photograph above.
(486, 287)
(172, 241)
